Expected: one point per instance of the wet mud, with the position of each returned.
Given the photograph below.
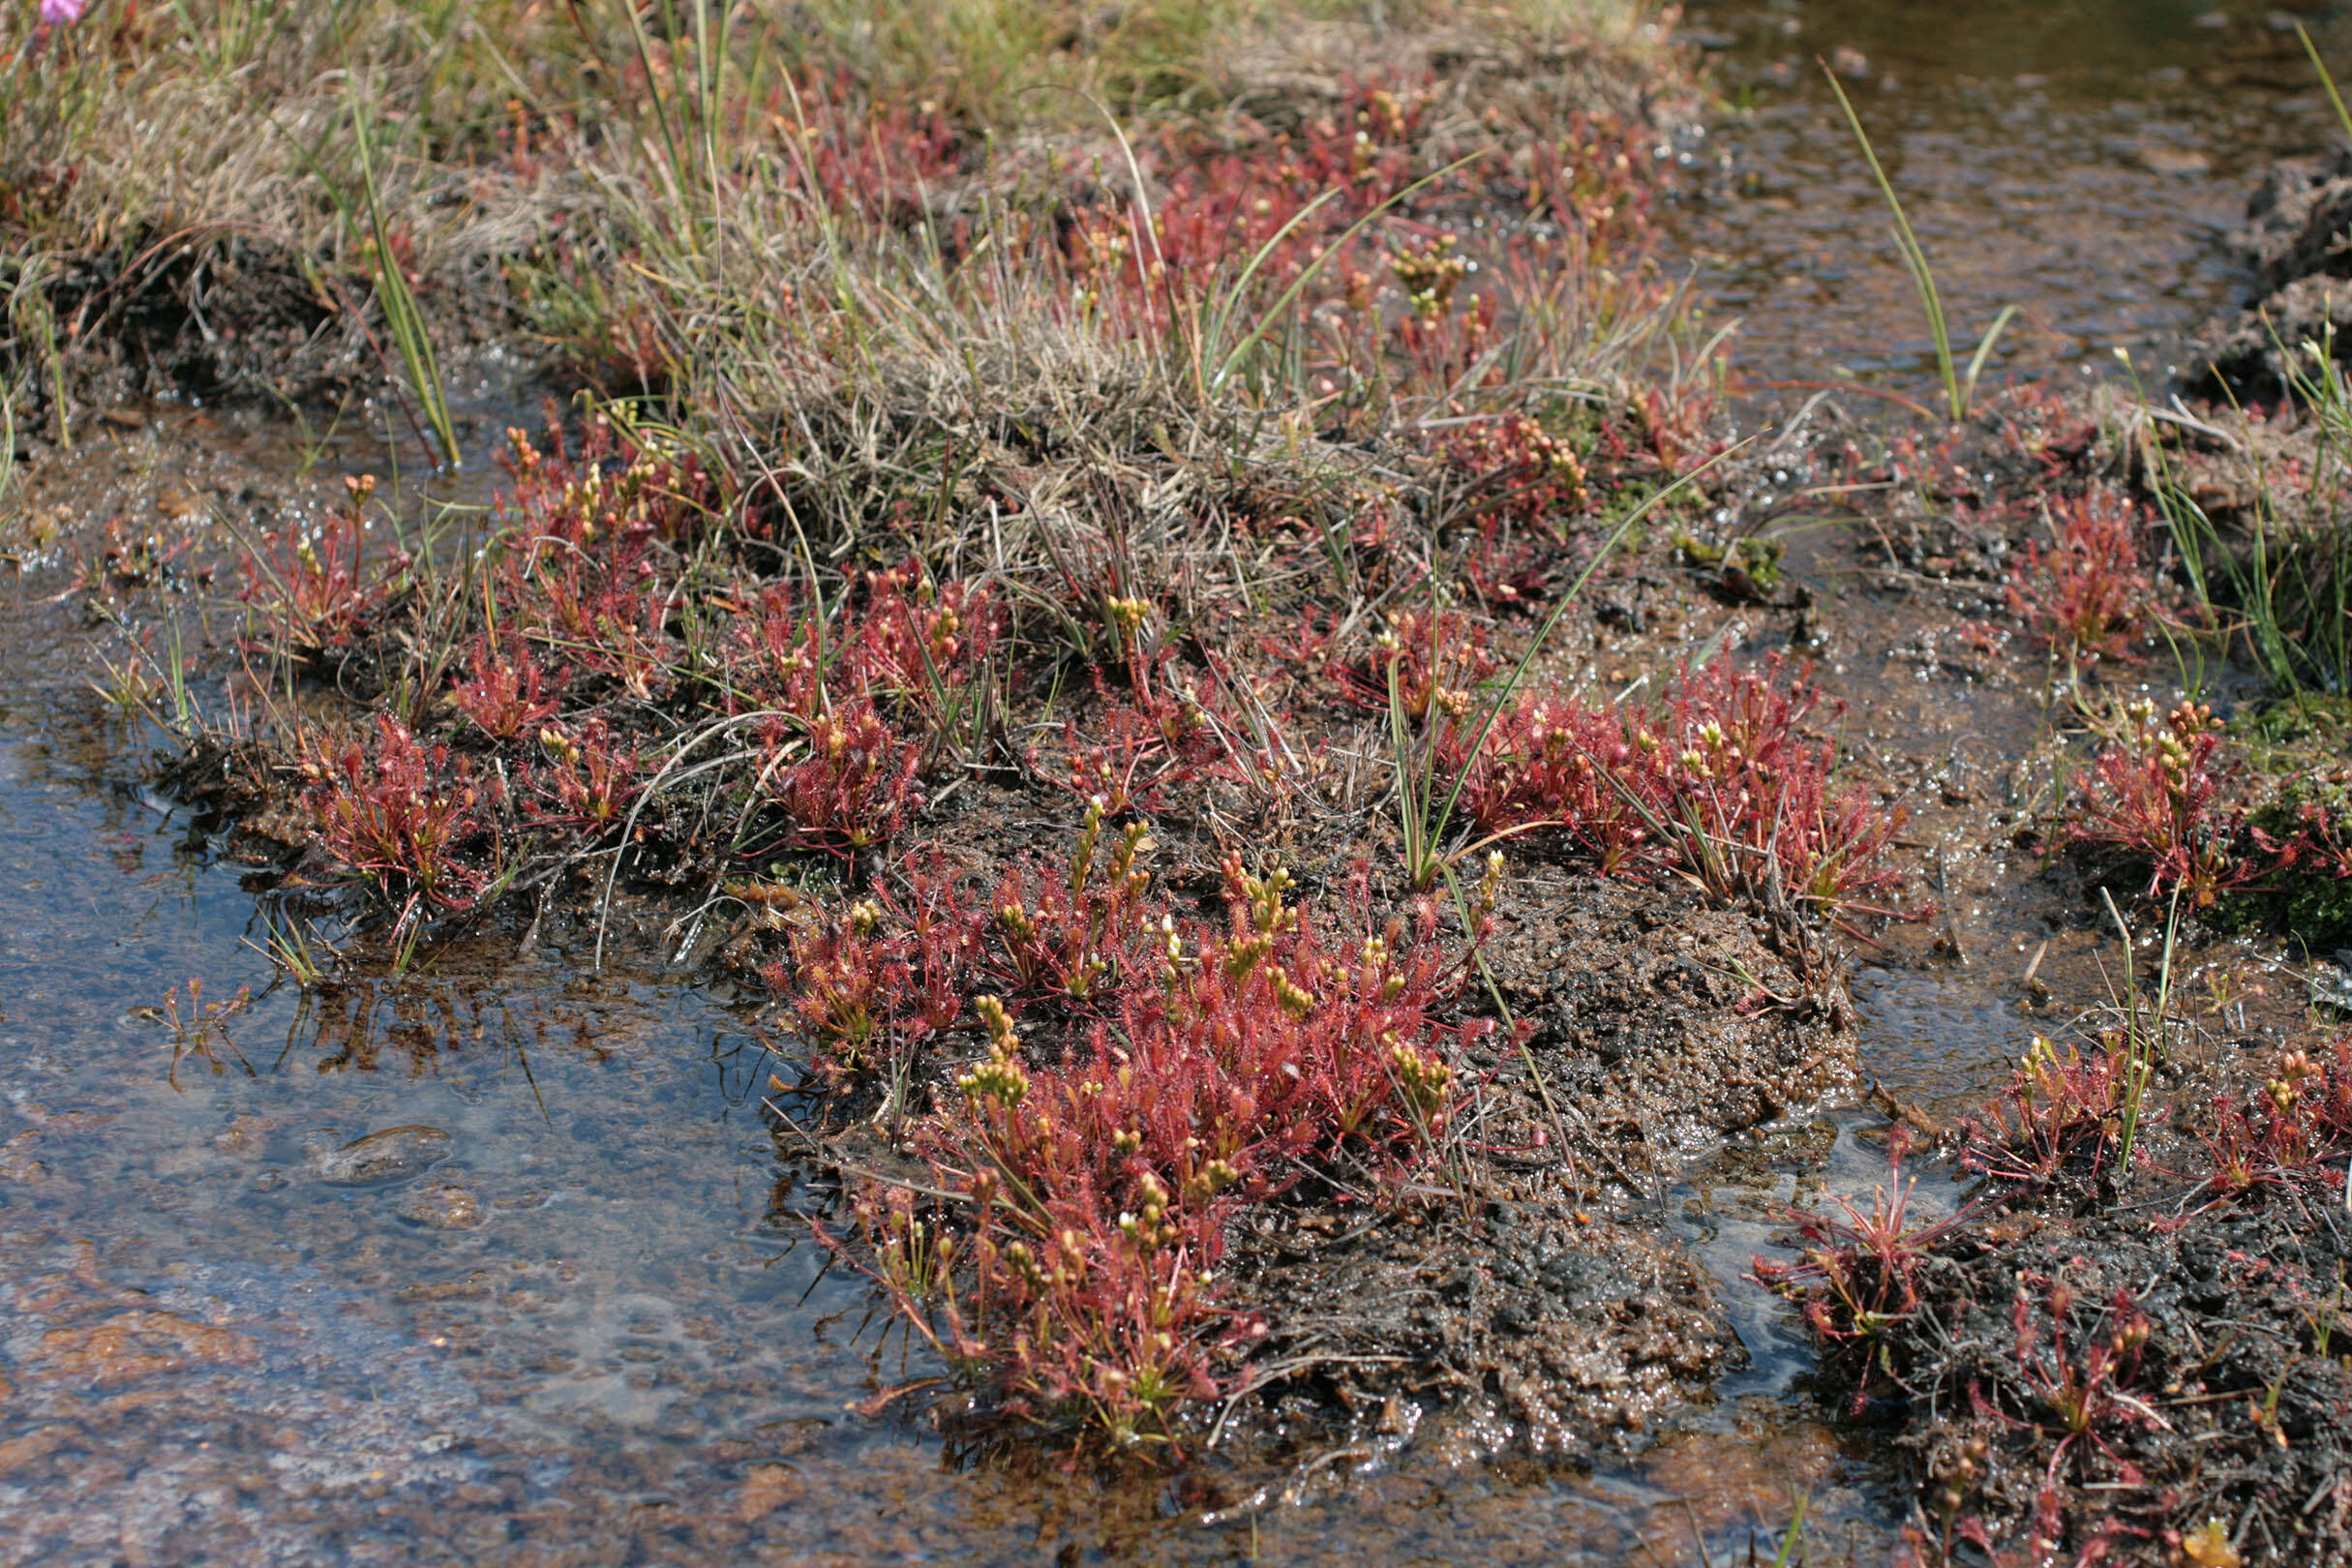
(2087, 163)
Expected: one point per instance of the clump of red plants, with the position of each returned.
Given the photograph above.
(2061, 1114)
(1348, 236)
(2080, 1382)
(311, 589)
(1720, 783)
(414, 818)
(2293, 1132)
(1856, 1277)
(1062, 1256)
(2089, 592)
(606, 643)
(2155, 796)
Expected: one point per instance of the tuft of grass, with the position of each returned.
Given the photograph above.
(1959, 385)
(2143, 1034)
(2281, 581)
(411, 336)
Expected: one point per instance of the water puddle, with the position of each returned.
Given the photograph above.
(2080, 160)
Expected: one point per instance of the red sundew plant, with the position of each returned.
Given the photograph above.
(868, 982)
(2058, 1112)
(1162, 733)
(1114, 774)
(845, 779)
(1523, 480)
(2086, 1387)
(507, 694)
(1298, 195)
(847, 980)
(629, 645)
(588, 565)
(1858, 1275)
(2156, 796)
(1595, 175)
(915, 648)
(2318, 844)
(1522, 471)
(921, 641)
(2089, 591)
(774, 656)
(2293, 1131)
(1075, 1280)
(1505, 572)
(404, 817)
(1079, 936)
(1341, 238)
(587, 779)
(1718, 785)
(1434, 659)
(309, 588)
(861, 157)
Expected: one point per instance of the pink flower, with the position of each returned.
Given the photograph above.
(58, 13)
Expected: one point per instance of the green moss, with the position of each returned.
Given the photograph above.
(2284, 735)
(1746, 562)
(2313, 911)
(2296, 750)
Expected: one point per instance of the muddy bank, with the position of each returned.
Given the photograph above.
(1661, 1021)
(2292, 244)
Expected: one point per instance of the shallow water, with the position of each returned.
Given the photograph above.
(2080, 160)
(638, 1353)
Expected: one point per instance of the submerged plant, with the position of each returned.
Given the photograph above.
(1858, 1276)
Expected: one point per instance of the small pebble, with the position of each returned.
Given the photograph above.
(442, 1206)
(393, 1154)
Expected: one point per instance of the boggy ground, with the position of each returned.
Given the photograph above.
(1053, 682)
(1277, 774)
(2124, 1346)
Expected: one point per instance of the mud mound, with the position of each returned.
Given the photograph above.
(2106, 1358)
(2124, 1388)
(1531, 1324)
(1528, 1321)
(2298, 243)
(1665, 1021)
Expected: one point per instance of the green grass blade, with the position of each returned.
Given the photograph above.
(1793, 1540)
(401, 316)
(1914, 256)
(1985, 351)
(2343, 116)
